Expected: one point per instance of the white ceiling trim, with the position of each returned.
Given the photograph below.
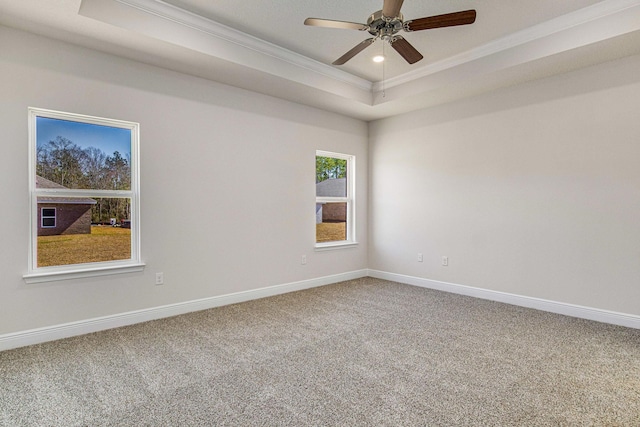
(188, 20)
(271, 69)
(215, 29)
(598, 11)
(254, 64)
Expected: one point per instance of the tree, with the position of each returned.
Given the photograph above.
(118, 172)
(65, 163)
(94, 167)
(330, 168)
(60, 161)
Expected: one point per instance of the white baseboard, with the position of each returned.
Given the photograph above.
(612, 317)
(51, 333)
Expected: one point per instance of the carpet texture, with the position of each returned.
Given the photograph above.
(366, 352)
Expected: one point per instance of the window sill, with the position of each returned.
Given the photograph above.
(77, 273)
(330, 246)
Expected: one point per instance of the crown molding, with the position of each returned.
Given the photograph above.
(238, 59)
(590, 14)
(220, 31)
(215, 29)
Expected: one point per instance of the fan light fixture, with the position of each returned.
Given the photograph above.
(385, 25)
(378, 58)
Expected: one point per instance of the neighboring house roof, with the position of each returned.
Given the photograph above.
(332, 188)
(45, 183)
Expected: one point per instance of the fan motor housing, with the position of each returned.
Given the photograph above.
(381, 26)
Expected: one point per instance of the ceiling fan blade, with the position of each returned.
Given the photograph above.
(353, 52)
(447, 20)
(316, 22)
(405, 49)
(391, 8)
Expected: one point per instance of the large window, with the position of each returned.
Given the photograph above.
(84, 196)
(335, 219)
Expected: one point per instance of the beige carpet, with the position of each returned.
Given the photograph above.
(362, 353)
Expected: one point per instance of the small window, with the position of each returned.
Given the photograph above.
(84, 186)
(335, 219)
(48, 217)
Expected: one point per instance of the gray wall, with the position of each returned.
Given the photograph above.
(217, 166)
(532, 190)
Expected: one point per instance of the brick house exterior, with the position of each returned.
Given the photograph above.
(331, 212)
(62, 215)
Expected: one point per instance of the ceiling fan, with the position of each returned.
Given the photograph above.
(386, 23)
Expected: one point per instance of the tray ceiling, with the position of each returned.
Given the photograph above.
(269, 50)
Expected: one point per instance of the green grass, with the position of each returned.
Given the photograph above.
(103, 244)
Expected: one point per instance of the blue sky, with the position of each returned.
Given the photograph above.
(106, 138)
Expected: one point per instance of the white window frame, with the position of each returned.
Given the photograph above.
(349, 200)
(37, 274)
(42, 218)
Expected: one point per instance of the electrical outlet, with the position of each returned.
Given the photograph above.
(420, 257)
(303, 260)
(445, 261)
(159, 278)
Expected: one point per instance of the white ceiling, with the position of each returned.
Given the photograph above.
(281, 24)
(265, 47)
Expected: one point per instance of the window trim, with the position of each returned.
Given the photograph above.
(42, 217)
(350, 200)
(37, 274)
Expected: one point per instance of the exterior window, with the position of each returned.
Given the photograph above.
(335, 223)
(84, 196)
(48, 217)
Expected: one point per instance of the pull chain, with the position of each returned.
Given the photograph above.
(384, 93)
